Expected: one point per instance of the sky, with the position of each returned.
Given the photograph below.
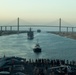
(38, 11)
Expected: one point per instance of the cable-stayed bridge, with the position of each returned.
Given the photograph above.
(19, 26)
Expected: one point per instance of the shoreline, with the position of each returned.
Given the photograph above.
(11, 32)
(71, 35)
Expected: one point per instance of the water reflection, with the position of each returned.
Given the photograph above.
(53, 46)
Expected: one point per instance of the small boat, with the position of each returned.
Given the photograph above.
(37, 48)
(38, 30)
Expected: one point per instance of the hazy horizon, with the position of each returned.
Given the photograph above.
(37, 11)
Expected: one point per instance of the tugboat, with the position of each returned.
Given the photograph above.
(37, 48)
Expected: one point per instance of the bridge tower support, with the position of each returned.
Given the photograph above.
(18, 25)
(67, 29)
(5, 28)
(59, 24)
(1, 28)
(10, 28)
(72, 29)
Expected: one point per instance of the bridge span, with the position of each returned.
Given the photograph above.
(15, 29)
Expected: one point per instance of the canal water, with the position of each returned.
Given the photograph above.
(53, 46)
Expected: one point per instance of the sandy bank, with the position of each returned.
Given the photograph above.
(71, 35)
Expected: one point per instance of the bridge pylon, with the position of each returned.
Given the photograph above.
(59, 24)
(18, 25)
